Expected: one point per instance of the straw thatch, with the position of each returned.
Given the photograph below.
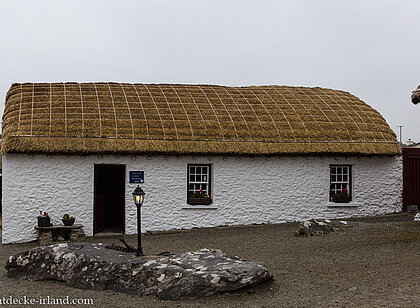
(190, 119)
(415, 96)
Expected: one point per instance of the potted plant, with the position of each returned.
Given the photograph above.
(68, 220)
(199, 198)
(43, 219)
(342, 197)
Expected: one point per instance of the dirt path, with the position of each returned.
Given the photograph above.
(366, 265)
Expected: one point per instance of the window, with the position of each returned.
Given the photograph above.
(340, 183)
(199, 184)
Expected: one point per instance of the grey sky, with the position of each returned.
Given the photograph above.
(368, 48)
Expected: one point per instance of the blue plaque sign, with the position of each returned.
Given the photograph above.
(136, 177)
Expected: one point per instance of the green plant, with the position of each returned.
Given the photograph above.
(201, 194)
(67, 217)
(343, 193)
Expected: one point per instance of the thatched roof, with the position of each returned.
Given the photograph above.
(190, 119)
(415, 96)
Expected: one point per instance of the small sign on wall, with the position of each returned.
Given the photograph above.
(136, 177)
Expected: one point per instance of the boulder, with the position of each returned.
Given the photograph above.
(318, 227)
(412, 208)
(92, 266)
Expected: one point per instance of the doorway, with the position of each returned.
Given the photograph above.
(411, 178)
(109, 200)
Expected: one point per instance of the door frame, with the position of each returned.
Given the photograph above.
(95, 178)
(411, 179)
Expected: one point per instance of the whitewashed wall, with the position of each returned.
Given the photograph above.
(245, 190)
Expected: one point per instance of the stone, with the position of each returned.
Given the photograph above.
(412, 208)
(77, 234)
(92, 266)
(319, 227)
(45, 238)
(417, 217)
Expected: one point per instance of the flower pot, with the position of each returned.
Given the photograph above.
(44, 221)
(199, 201)
(341, 199)
(68, 222)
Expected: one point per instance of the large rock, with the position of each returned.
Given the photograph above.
(318, 227)
(91, 266)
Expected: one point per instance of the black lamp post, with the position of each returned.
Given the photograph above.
(138, 195)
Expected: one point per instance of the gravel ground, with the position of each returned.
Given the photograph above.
(373, 263)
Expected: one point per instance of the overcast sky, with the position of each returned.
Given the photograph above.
(368, 48)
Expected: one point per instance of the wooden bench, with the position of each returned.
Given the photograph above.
(48, 235)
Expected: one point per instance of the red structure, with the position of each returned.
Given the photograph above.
(411, 177)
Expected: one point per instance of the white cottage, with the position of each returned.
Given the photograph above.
(208, 155)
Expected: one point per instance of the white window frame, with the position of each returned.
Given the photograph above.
(202, 180)
(340, 179)
(204, 175)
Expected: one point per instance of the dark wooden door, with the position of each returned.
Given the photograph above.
(99, 214)
(411, 177)
(109, 203)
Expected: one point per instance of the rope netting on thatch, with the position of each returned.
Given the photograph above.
(200, 119)
(415, 96)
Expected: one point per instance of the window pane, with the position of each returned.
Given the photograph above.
(198, 180)
(339, 180)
